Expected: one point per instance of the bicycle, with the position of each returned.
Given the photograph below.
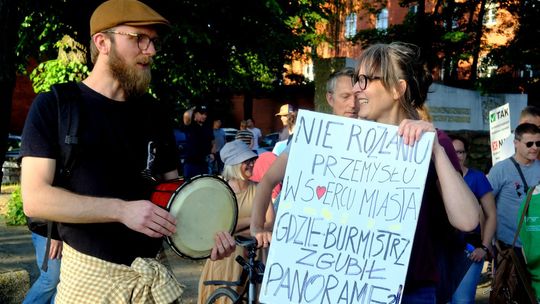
(252, 274)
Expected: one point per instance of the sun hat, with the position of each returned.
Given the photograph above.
(235, 152)
(284, 110)
(128, 12)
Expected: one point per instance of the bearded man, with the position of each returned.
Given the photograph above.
(111, 231)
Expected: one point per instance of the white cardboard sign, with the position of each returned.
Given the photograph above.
(499, 133)
(348, 212)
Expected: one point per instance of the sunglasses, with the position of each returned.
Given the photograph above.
(531, 143)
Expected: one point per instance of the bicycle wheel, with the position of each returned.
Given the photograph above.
(224, 295)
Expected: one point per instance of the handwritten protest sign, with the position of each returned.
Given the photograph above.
(349, 206)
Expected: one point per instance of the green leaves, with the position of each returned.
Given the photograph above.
(15, 213)
(214, 48)
(69, 66)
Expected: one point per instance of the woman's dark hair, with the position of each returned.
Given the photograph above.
(461, 139)
(399, 61)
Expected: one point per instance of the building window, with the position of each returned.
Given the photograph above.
(527, 72)
(487, 71)
(350, 26)
(490, 16)
(308, 71)
(382, 19)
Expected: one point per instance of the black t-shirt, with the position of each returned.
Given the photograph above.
(437, 244)
(198, 142)
(114, 141)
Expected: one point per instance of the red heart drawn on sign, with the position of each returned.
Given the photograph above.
(320, 191)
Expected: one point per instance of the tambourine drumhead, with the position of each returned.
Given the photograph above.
(202, 206)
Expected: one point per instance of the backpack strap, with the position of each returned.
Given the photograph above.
(45, 263)
(68, 97)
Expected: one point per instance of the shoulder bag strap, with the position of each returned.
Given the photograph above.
(520, 174)
(525, 211)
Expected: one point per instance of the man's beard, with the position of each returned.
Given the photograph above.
(133, 81)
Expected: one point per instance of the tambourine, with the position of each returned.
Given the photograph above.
(202, 206)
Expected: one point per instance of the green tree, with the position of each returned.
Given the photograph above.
(214, 48)
(519, 60)
(222, 47)
(10, 17)
(454, 31)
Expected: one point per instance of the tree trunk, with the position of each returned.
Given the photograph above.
(421, 29)
(9, 22)
(450, 63)
(477, 41)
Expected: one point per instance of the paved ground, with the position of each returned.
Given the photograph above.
(17, 252)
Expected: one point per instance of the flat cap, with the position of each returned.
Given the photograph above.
(128, 12)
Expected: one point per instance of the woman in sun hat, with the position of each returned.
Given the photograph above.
(238, 161)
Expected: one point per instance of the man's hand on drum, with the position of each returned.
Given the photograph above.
(264, 237)
(148, 218)
(223, 247)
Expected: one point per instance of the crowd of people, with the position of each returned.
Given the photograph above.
(110, 234)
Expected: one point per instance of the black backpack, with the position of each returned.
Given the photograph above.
(67, 97)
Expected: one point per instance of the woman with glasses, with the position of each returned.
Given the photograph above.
(238, 162)
(480, 239)
(391, 84)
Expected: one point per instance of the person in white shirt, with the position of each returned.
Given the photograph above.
(257, 134)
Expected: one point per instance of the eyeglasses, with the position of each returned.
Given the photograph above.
(143, 40)
(531, 143)
(362, 80)
(249, 162)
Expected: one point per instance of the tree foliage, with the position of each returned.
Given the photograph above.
(69, 66)
(454, 32)
(214, 47)
(519, 60)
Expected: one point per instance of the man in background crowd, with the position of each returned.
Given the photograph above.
(200, 146)
(283, 114)
(511, 178)
(219, 140)
(529, 114)
(257, 134)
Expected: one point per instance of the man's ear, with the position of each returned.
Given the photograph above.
(102, 44)
(330, 99)
(400, 89)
